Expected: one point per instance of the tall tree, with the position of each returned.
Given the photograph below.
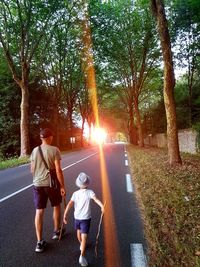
(62, 70)
(23, 26)
(85, 110)
(169, 82)
(129, 48)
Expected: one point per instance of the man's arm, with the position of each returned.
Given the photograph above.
(32, 167)
(60, 176)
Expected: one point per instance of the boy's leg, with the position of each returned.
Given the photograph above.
(83, 244)
(79, 235)
(85, 226)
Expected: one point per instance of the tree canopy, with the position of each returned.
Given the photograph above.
(44, 67)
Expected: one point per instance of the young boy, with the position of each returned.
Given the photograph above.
(82, 212)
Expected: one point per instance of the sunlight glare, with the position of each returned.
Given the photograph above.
(111, 246)
(99, 135)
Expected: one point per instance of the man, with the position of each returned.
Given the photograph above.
(42, 190)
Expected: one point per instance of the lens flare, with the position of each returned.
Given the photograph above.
(111, 246)
(111, 242)
(99, 135)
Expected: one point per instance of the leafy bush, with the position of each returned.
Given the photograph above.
(196, 127)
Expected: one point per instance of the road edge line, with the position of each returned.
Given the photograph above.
(129, 186)
(138, 258)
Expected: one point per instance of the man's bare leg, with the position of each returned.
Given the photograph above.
(39, 214)
(56, 217)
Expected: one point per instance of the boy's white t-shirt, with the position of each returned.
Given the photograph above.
(82, 206)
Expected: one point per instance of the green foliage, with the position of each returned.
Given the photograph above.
(125, 42)
(154, 119)
(186, 38)
(196, 127)
(9, 113)
(185, 109)
(120, 137)
(48, 34)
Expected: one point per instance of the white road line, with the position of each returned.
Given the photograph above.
(126, 162)
(24, 188)
(138, 258)
(125, 155)
(79, 161)
(129, 186)
(15, 193)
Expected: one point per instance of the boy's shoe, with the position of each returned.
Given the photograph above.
(40, 246)
(56, 234)
(83, 261)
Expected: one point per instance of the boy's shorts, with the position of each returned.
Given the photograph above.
(83, 225)
(41, 195)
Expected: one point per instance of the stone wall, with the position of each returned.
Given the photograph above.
(187, 140)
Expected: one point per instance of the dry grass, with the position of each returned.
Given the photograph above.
(170, 202)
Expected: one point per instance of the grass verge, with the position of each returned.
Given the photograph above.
(169, 198)
(16, 161)
(13, 162)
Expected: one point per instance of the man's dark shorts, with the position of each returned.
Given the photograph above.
(41, 195)
(83, 225)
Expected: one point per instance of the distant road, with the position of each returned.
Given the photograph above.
(121, 221)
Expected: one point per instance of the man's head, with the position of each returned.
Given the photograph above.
(46, 134)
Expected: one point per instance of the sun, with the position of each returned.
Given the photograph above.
(99, 135)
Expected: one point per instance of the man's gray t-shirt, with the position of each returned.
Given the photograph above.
(41, 175)
(82, 206)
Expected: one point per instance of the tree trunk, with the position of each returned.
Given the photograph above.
(89, 121)
(190, 103)
(190, 87)
(71, 124)
(23, 83)
(56, 123)
(132, 128)
(169, 83)
(24, 122)
(82, 130)
(139, 124)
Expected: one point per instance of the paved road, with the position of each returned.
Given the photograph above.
(121, 240)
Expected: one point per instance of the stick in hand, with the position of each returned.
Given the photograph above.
(99, 228)
(64, 204)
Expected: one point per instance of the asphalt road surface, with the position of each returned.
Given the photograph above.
(121, 242)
